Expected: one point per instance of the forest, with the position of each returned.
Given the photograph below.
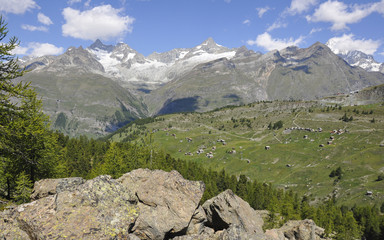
(30, 151)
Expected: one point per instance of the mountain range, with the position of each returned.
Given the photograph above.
(100, 88)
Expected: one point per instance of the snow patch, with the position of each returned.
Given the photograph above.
(182, 54)
(106, 60)
(205, 57)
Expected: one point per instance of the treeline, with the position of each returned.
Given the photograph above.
(88, 158)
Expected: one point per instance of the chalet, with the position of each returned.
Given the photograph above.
(267, 147)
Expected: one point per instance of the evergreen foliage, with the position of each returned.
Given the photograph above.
(345, 118)
(337, 173)
(23, 188)
(26, 144)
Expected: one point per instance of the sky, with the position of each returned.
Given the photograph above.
(50, 27)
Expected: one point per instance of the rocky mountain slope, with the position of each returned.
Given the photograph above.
(142, 204)
(201, 78)
(365, 96)
(289, 74)
(78, 97)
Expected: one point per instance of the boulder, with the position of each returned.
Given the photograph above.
(297, 230)
(100, 208)
(198, 221)
(46, 187)
(227, 209)
(166, 201)
(142, 204)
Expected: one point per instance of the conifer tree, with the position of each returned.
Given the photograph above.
(23, 188)
(26, 144)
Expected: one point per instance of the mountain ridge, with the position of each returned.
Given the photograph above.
(200, 78)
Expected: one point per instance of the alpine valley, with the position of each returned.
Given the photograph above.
(96, 90)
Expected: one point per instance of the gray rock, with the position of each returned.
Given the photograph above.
(142, 204)
(296, 230)
(166, 201)
(227, 209)
(46, 187)
(100, 208)
(197, 224)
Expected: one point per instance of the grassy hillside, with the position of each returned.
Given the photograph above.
(295, 160)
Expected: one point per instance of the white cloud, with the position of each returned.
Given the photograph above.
(227, 1)
(315, 30)
(17, 6)
(267, 42)
(44, 19)
(42, 49)
(300, 6)
(276, 25)
(348, 43)
(261, 11)
(36, 49)
(20, 50)
(339, 14)
(34, 28)
(103, 22)
(70, 2)
(247, 22)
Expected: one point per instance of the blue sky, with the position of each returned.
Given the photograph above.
(51, 26)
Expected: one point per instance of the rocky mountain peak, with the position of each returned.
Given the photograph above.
(245, 52)
(99, 45)
(363, 60)
(357, 58)
(211, 46)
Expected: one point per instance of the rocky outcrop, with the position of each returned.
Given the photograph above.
(142, 204)
(100, 208)
(227, 210)
(305, 230)
(46, 187)
(166, 202)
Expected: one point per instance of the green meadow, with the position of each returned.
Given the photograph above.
(300, 155)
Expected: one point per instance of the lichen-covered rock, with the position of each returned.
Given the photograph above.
(46, 187)
(227, 209)
(142, 204)
(166, 201)
(296, 230)
(100, 208)
(9, 227)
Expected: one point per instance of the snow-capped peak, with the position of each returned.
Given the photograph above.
(356, 58)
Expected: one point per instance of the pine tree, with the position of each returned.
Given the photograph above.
(26, 144)
(23, 188)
